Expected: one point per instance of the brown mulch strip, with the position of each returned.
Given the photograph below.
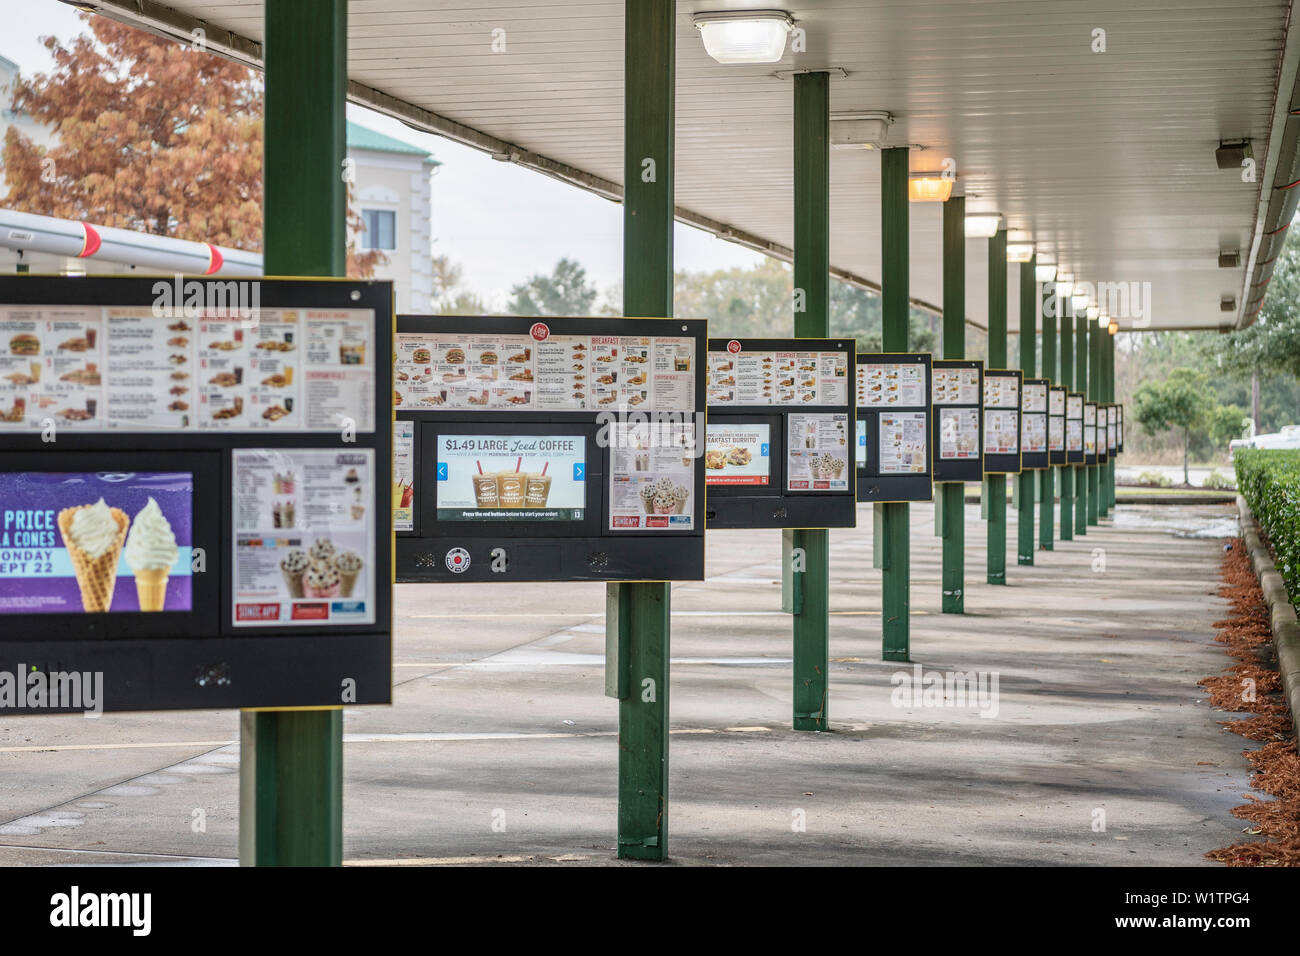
(1276, 764)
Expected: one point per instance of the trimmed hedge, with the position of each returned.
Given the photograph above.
(1269, 480)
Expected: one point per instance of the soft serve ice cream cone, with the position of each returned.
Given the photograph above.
(150, 553)
(93, 535)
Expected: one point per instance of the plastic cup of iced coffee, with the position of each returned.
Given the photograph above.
(486, 494)
(539, 489)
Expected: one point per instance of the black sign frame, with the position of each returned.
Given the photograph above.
(1056, 457)
(957, 469)
(774, 506)
(886, 489)
(1093, 458)
(1035, 460)
(544, 552)
(199, 660)
(1003, 463)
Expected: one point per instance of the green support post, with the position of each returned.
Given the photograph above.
(1046, 490)
(1094, 395)
(1066, 312)
(812, 243)
(952, 494)
(895, 543)
(291, 761)
(649, 52)
(1028, 363)
(995, 486)
(1081, 385)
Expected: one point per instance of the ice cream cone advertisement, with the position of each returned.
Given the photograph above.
(511, 478)
(95, 543)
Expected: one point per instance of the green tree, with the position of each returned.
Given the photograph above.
(1178, 401)
(449, 295)
(565, 291)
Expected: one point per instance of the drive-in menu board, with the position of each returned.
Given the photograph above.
(751, 376)
(1090, 433)
(1002, 404)
(1056, 424)
(1033, 423)
(497, 372)
(1074, 428)
(145, 369)
(1112, 422)
(893, 396)
(958, 452)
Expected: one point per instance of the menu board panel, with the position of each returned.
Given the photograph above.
(136, 368)
(301, 530)
(959, 433)
(792, 378)
(1056, 402)
(1001, 391)
(956, 386)
(1000, 432)
(652, 478)
(437, 371)
(1003, 403)
(883, 383)
(903, 439)
(817, 452)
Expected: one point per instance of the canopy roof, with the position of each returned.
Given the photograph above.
(1105, 160)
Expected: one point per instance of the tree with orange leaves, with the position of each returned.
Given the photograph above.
(152, 136)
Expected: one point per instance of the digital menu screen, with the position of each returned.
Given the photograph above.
(95, 543)
(738, 455)
(862, 443)
(514, 477)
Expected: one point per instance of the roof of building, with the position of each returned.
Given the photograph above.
(359, 137)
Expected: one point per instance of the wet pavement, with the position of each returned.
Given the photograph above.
(501, 747)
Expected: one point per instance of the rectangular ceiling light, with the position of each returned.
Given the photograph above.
(744, 36)
(982, 226)
(929, 189)
(1045, 272)
(1230, 260)
(1020, 252)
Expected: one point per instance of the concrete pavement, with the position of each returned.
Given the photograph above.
(501, 748)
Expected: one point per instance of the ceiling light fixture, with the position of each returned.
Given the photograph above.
(860, 130)
(1232, 155)
(1229, 259)
(744, 36)
(1228, 303)
(1080, 301)
(1020, 252)
(928, 187)
(1045, 272)
(982, 225)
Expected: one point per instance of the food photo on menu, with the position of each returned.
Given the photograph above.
(95, 543)
(737, 455)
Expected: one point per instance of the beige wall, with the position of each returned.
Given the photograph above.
(400, 184)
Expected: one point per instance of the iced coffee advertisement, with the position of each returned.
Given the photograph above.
(1001, 391)
(1001, 432)
(652, 477)
(1034, 438)
(778, 378)
(956, 386)
(92, 543)
(738, 455)
(1056, 433)
(134, 368)
(817, 455)
(555, 373)
(892, 383)
(304, 537)
(959, 433)
(403, 476)
(903, 442)
(511, 478)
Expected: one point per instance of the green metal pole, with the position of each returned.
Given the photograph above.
(1066, 311)
(952, 494)
(291, 762)
(1046, 489)
(1081, 385)
(895, 549)
(1028, 363)
(1094, 394)
(649, 53)
(995, 486)
(812, 263)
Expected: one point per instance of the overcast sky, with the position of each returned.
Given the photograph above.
(500, 222)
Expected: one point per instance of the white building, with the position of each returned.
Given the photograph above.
(391, 190)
